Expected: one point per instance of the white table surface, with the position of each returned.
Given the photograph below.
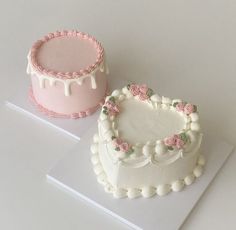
(186, 48)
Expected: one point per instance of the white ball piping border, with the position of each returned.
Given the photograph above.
(146, 192)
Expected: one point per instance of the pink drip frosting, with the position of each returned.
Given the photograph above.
(66, 75)
(53, 114)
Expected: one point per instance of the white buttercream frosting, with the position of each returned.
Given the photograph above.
(138, 122)
(146, 191)
(147, 165)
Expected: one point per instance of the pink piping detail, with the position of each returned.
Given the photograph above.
(66, 75)
(53, 114)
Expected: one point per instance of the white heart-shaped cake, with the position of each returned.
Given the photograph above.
(146, 144)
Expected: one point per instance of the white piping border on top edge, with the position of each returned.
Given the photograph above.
(67, 82)
(156, 101)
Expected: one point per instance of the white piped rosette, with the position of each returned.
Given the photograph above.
(160, 152)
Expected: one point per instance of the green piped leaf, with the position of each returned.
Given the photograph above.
(184, 137)
(113, 137)
(105, 112)
(170, 148)
(176, 103)
(131, 150)
(128, 86)
(117, 149)
(150, 92)
(194, 108)
(112, 99)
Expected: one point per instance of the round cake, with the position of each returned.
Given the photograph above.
(146, 144)
(68, 74)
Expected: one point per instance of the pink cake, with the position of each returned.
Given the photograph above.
(68, 74)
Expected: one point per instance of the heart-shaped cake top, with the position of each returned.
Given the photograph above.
(137, 123)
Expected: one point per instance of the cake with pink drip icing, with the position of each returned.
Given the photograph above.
(68, 74)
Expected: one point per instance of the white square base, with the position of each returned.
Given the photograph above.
(73, 127)
(75, 174)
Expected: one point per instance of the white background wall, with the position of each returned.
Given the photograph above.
(185, 49)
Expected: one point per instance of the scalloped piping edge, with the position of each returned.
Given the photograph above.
(145, 192)
(53, 114)
(73, 33)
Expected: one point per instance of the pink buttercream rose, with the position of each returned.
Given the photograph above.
(118, 142)
(170, 141)
(113, 112)
(175, 137)
(109, 104)
(115, 108)
(143, 96)
(179, 143)
(134, 89)
(180, 107)
(124, 147)
(143, 89)
(188, 109)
